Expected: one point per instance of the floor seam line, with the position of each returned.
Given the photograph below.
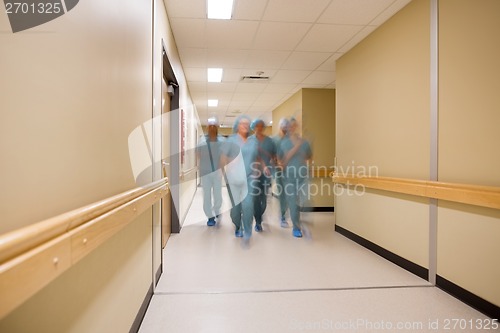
(169, 293)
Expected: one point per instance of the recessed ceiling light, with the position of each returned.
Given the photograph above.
(219, 9)
(214, 74)
(213, 102)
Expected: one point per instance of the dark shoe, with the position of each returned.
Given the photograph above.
(258, 227)
(238, 233)
(211, 222)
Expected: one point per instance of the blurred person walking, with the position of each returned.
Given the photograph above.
(266, 154)
(239, 157)
(209, 151)
(294, 153)
(278, 174)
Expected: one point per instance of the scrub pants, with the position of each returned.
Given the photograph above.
(212, 187)
(260, 197)
(280, 188)
(295, 192)
(242, 212)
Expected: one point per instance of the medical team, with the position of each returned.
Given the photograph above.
(246, 163)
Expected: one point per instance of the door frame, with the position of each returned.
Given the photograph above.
(174, 176)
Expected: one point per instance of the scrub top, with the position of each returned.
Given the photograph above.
(235, 144)
(266, 149)
(297, 164)
(216, 150)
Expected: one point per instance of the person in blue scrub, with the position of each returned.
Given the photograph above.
(294, 153)
(266, 154)
(208, 152)
(278, 174)
(240, 159)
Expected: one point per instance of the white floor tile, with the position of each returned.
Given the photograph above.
(419, 309)
(213, 283)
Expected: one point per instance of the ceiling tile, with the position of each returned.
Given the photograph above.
(294, 10)
(259, 59)
(186, 8)
(360, 12)
(230, 34)
(245, 96)
(226, 58)
(244, 87)
(193, 57)
(197, 87)
(249, 10)
(220, 95)
(239, 104)
(221, 87)
(328, 38)
(189, 32)
(267, 100)
(231, 75)
(280, 36)
(263, 105)
(196, 74)
(256, 112)
(305, 60)
(279, 87)
(270, 97)
(330, 64)
(295, 42)
(358, 38)
(389, 12)
(290, 76)
(320, 78)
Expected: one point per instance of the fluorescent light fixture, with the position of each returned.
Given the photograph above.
(219, 9)
(213, 102)
(214, 74)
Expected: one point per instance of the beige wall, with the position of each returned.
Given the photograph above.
(469, 102)
(71, 94)
(318, 126)
(73, 91)
(383, 124)
(383, 97)
(383, 120)
(469, 140)
(292, 107)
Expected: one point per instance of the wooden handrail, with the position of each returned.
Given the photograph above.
(24, 239)
(484, 196)
(33, 256)
(321, 172)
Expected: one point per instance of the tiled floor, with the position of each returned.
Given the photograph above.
(322, 282)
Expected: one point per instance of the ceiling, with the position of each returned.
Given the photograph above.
(294, 42)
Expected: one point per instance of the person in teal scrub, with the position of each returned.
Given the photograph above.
(266, 152)
(294, 152)
(278, 174)
(208, 152)
(240, 159)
